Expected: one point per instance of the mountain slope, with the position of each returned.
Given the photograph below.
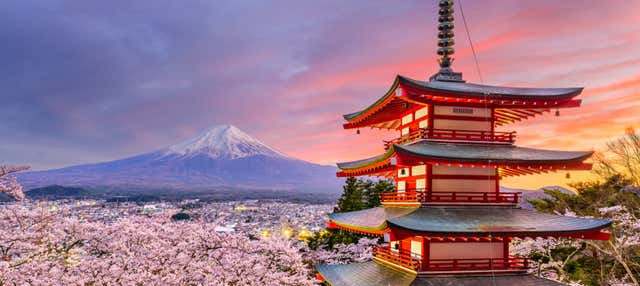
(220, 156)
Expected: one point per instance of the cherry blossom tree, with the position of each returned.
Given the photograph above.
(343, 253)
(624, 245)
(551, 257)
(41, 246)
(544, 262)
(8, 184)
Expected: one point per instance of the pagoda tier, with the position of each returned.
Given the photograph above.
(508, 159)
(511, 160)
(438, 173)
(467, 223)
(460, 240)
(376, 274)
(506, 104)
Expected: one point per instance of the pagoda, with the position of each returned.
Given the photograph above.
(448, 222)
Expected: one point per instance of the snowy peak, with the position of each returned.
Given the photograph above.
(223, 141)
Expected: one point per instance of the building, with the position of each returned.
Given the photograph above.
(448, 223)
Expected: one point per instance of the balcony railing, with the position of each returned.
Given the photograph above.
(452, 134)
(511, 263)
(396, 257)
(450, 197)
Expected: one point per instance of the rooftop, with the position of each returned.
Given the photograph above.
(520, 159)
(467, 221)
(405, 90)
(375, 274)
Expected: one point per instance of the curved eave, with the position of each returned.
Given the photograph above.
(422, 93)
(367, 273)
(463, 89)
(373, 107)
(484, 280)
(366, 166)
(353, 165)
(495, 221)
(371, 221)
(494, 155)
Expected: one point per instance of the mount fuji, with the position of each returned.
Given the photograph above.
(223, 156)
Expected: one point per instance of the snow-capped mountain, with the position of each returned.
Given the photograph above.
(223, 141)
(221, 156)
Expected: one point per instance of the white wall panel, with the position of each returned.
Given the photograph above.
(422, 112)
(459, 250)
(462, 125)
(407, 119)
(402, 186)
(455, 170)
(418, 170)
(462, 111)
(456, 185)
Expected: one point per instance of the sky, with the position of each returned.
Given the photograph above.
(91, 81)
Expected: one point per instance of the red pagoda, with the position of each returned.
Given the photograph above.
(448, 223)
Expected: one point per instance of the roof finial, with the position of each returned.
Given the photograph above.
(446, 41)
(445, 44)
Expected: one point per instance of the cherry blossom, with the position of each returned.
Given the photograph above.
(8, 184)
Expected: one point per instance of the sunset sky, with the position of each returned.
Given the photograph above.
(90, 81)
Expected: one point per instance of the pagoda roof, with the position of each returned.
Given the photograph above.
(368, 161)
(375, 274)
(485, 152)
(384, 112)
(513, 160)
(470, 220)
(465, 89)
(485, 280)
(369, 220)
(364, 274)
(467, 221)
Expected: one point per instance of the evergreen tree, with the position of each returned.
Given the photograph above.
(372, 192)
(358, 194)
(351, 199)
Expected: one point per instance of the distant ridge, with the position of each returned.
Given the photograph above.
(534, 194)
(222, 155)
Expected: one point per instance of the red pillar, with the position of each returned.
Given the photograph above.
(505, 248)
(497, 181)
(430, 127)
(429, 180)
(426, 244)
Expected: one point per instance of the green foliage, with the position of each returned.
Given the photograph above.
(328, 238)
(589, 264)
(371, 194)
(590, 197)
(352, 196)
(361, 194)
(358, 194)
(180, 216)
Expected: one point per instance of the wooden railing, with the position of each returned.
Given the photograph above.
(396, 257)
(407, 138)
(452, 134)
(515, 263)
(451, 197)
(470, 135)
